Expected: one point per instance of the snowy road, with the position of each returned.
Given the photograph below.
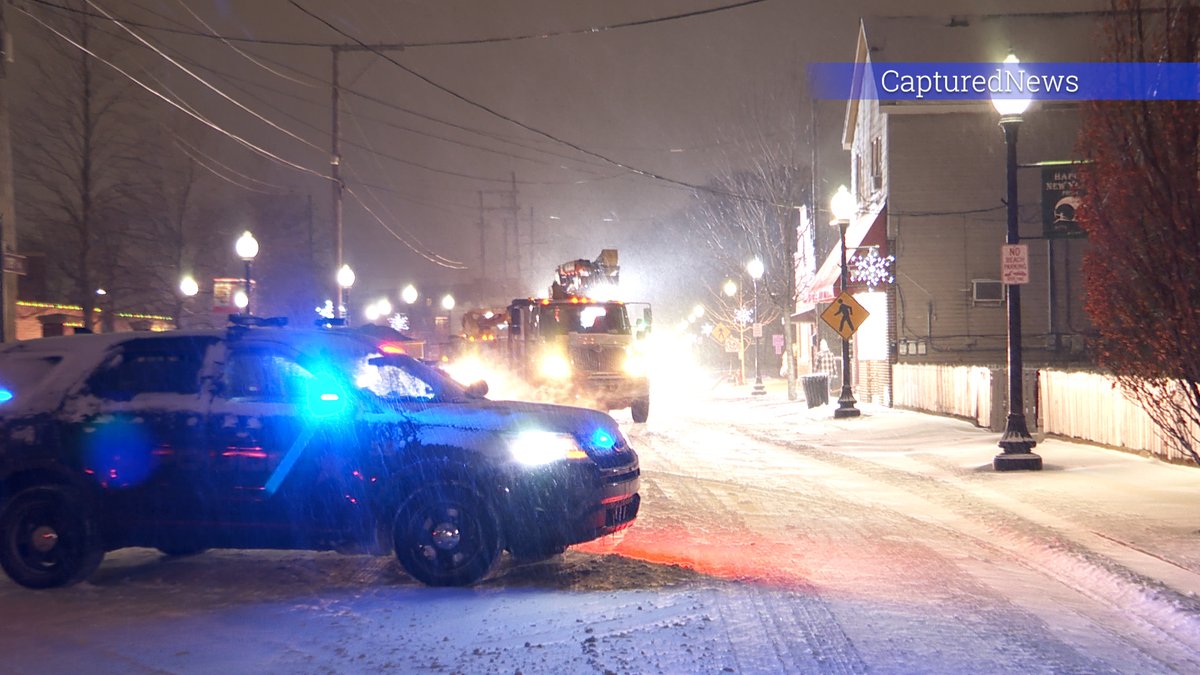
(772, 539)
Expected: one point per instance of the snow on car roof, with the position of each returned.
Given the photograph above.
(75, 356)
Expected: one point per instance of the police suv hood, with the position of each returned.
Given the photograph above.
(515, 416)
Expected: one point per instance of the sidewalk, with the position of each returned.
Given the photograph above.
(1125, 522)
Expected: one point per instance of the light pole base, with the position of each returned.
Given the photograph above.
(759, 389)
(846, 405)
(1017, 461)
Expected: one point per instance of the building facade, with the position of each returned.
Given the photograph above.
(929, 178)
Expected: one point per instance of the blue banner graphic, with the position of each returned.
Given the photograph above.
(986, 81)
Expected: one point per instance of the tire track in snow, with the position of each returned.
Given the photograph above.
(1160, 624)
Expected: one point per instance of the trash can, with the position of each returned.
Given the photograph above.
(816, 389)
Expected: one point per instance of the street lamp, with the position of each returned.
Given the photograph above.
(247, 248)
(448, 305)
(1016, 442)
(189, 288)
(844, 208)
(755, 269)
(409, 294)
(345, 279)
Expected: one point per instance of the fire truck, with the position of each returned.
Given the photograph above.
(579, 346)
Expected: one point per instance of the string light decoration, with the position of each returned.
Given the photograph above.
(398, 321)
(872, 269)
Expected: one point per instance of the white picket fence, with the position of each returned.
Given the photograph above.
(962, 391)
(1084, 405)
(1093, 407)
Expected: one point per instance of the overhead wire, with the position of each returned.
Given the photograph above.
(511, 120)
(203, 159)
(229, 76)
(201, 80)
(185, 109)
(436, 259)
(389, 212)
(433, 43)
(240, 51)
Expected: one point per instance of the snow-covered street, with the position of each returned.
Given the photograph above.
(772, 538)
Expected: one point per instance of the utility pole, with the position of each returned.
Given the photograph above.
(335, 167)
(8, 222)
(335, 156)
(482, 241)
(505, 202)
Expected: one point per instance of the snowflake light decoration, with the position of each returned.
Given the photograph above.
(398, 321)
(743, 315)
(872, 269)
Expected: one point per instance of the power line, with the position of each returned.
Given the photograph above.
(198, 117)
(389, 123)
(439, 43)
(530, 128)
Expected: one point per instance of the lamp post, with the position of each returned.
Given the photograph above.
(755, 269)
(1016, 442)
(189, 288)
(843, 208)
(345, 279)
(731, 289)
(448, 305)
(247, 248)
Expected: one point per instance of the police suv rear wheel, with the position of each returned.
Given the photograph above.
(47, 539)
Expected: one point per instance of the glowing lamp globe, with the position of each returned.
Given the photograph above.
(842, 204)
(1005, 104)
(246, 246)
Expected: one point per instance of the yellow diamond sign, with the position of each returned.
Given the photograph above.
(844, 315)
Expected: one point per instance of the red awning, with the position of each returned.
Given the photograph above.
(869, 229)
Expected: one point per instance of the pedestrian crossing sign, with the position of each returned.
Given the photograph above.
(844, 315)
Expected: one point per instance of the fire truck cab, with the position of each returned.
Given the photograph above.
(584, 350)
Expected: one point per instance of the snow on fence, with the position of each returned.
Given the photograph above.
(962, 391)
(1083, 405)
(1093, 407)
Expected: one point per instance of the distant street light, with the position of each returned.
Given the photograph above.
(731, 289)
(1016, 441)
(448, 305)
(844, 208)
(189, 288)
(755, 269)
(409, 294)
(247, 248)
(345, 279)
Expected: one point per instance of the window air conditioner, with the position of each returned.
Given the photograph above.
(987, 292)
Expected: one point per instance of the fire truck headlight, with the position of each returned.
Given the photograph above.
(555, 367)
(635, 364)
(535, 448)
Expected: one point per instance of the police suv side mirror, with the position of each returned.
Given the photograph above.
(477, 389)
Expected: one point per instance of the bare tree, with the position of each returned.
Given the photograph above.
(1142, 215)
(74, 145)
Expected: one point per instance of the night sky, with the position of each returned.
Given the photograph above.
(676, 98)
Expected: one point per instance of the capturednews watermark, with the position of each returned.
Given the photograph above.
(985, 81)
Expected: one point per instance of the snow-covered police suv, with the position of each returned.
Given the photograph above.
(268, 437)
